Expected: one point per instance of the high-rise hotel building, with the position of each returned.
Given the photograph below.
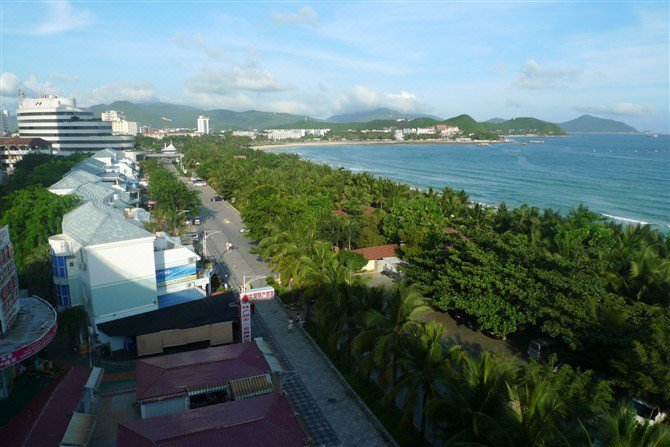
(203, 124)
(68, 127)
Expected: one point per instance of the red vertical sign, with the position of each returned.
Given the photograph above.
(245, 318)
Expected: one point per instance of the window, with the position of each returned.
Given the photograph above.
(59, 264)
(63, 296)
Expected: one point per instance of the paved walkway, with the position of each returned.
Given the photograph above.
(348, 420)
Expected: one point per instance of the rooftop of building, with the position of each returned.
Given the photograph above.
(212, 309)
(196, 370)
(262, 421)
(53, 421)
(90, 225)
(32, 142)
(33, 326)
(378, 251)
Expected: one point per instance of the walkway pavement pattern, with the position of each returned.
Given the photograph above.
(329, 409)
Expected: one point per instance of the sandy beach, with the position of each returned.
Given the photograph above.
(268, 147)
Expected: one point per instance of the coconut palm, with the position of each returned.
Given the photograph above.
(423, 366)
(475, 399)
(621, 429)
(385, 325)
(533, 417)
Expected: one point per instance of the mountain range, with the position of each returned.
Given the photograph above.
(164, 115)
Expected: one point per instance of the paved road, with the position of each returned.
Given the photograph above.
(352, 423)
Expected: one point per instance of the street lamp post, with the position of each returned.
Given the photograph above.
(250, 279)
(204, 242)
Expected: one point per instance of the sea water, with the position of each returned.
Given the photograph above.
(624, 177)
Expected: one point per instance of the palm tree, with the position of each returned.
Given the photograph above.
(385, 326)
(423, 366)
(475, 399)
(621, 429)
(533, 417)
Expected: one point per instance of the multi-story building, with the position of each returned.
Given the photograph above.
(203, 124)
(12, 151)
(4, 123)
(113, 115)
(67, 127)
(120, 126)
(104, 259)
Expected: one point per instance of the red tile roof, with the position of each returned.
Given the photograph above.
(19, 141)
(450, 230)
(172, 374)
(378, 252)
(52, 423)
(262, 421)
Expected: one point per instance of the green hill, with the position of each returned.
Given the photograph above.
(160, 115)
(588, 123)
(524, 126)
(469, 126)
(376, 114)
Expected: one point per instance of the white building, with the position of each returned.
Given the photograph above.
(120, 126)
(68, 127)
(104, 259)
(285, 134)
(203, 124)
(12, 151)
(113, 115)
(245, 133)
(4, 123)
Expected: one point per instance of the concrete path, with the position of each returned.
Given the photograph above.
(352, 422)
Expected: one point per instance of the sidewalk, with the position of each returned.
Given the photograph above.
(314, 383)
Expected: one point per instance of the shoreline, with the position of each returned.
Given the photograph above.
(267, 147)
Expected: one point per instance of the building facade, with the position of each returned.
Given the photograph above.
(12, 151)
(4, 123)
(67, 127)
(120, 126)
(203, 125)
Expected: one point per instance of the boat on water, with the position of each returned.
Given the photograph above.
(537, 141)
(523, 144)
(652, 135)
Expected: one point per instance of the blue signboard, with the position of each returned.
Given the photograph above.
(176, 274)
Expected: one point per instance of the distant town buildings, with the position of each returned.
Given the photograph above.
(203, 125)
(67, 127)
(4, 123)
(246, 133)
(120, 126)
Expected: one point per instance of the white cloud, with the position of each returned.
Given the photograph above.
(290, 106)
(121, 91)
(304, 16)
(64, 77)
(536, 77)
(362, 98)
(9, 84)
(249, 78)
(233, 101)
(617, 109)
(62, 17)
(196, 41)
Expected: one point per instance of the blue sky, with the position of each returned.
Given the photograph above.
(551, 60)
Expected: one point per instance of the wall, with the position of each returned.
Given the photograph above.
(121, 278)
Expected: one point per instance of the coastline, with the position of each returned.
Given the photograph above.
(268, 147)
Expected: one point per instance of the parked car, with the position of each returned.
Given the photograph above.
(646, 413)
(489, 333)
(193, 235)
(216, 199)
(196, 221)
(540, 348)
(463, 318)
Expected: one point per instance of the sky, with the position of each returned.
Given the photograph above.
(550, 60)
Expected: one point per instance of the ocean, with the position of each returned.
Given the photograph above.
(624, 177)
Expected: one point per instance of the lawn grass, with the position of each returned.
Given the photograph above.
(405, 434)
